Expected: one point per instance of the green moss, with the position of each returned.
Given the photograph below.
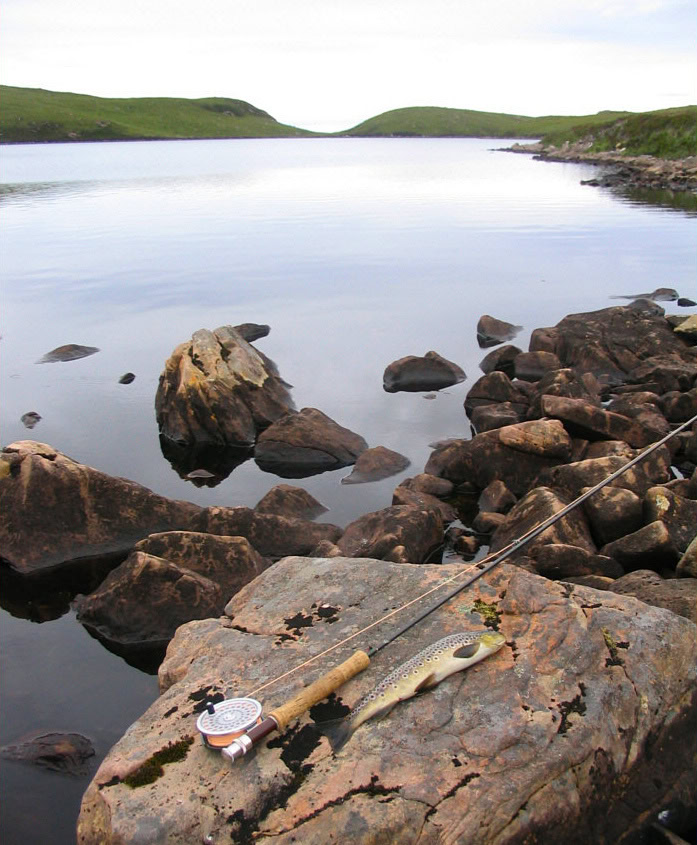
(612, 646)
(490, 616)
(152, 768)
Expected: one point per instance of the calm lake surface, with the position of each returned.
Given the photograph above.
(355, 251)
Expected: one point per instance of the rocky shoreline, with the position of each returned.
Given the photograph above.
(618, 169)
(586, 718)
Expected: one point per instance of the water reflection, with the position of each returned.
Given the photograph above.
(203, 466)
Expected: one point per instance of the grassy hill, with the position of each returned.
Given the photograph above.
(33, 114)
(669, 133)
(442, 122)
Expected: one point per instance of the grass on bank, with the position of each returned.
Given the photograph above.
(668, 133)
(34, 115)
(444, 122)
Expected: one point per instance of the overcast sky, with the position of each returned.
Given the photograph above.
(331, 64)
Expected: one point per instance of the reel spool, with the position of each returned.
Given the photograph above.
(221, 723)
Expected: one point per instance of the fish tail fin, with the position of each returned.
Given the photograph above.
(337, 732)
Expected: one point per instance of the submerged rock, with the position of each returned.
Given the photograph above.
(551, 723)
(414, 374)
(306, 443)
(217, 389)
(375, 464)
(67, 753)
(69, 352)
(127, 378)
(30, 419)
(491, 332)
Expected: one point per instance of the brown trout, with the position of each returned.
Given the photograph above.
(422, 672)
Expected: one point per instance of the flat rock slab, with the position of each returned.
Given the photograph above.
(307, 443)
(414, 373)
(56, 510)
(554, 731)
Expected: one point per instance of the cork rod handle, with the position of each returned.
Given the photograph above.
(320, 689)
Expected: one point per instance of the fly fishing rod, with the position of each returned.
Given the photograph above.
(235, 726)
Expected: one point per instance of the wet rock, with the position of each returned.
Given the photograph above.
(218, 389)
(679, 407)
(487, 523)
(496, 498)
(546, 438)
(492, 388)
(531, 366)
(405, 496)
(670, 371)
(501, 359)
(678, 595)
(653, 469)
(30, 419)
(489, 417)
(441, 488)
(651, 547)
(144, 600)
(286, 500)
(252, 331)
(687, 565)
(401, 533)
(69, 352)
(678, 513)
(613, 512)
(561, 561)
(56, 510)
(68, 753)
(375, 464)
(272, 535)
(563, 382)
(230, 562)
(538, 505)
(413, 373)
(556, 706)
(127, 378)
(491, 332)
(484, 459)
(544, 339)
(614, 341)
(306, 443)
(582, 419)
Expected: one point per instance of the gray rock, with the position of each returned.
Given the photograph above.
(551, 722)
(69, 352)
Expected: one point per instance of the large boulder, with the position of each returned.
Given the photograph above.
(218, 389)
(307, 443)
(583, 726)
(677, 512)
(493, 388)
(56, 510)
(401, 533)
(414, 373)
(678, 595)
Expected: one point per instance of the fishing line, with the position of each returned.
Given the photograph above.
(482, 566)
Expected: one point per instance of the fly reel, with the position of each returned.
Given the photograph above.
(222, 723)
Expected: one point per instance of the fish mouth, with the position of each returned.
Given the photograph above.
(492, 640)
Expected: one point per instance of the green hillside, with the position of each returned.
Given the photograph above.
(33, 114)
(442, 122)
(669, 133)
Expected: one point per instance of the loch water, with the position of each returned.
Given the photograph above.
(356, 252)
